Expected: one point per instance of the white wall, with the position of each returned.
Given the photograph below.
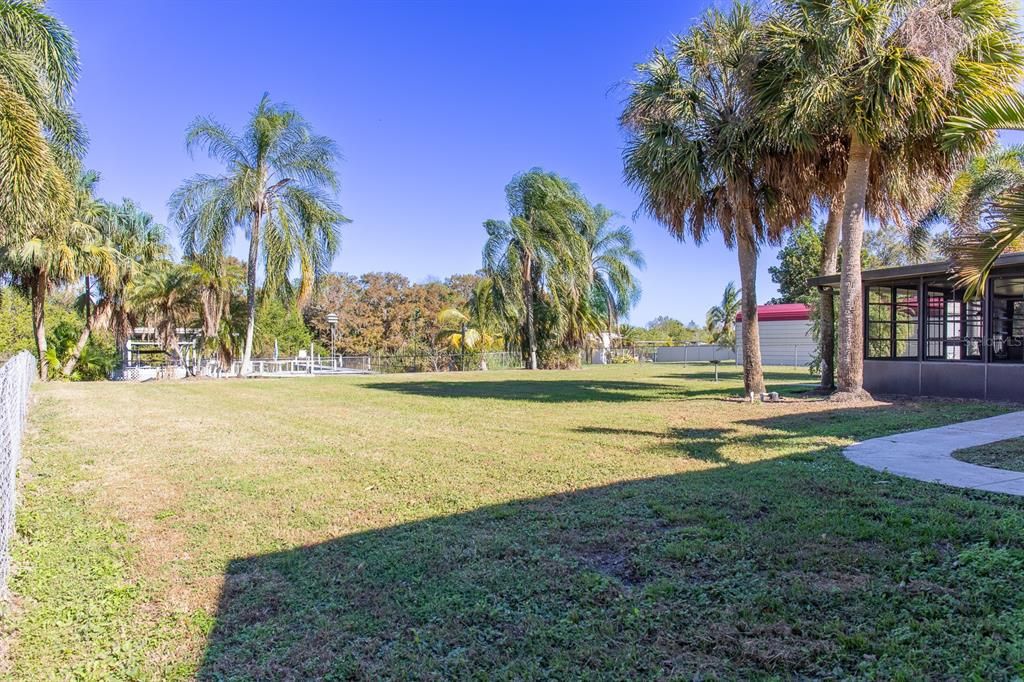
(783, 342)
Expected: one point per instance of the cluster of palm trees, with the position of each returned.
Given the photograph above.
(753, 120)
(277, 189)
(558, 270)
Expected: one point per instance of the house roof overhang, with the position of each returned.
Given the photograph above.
(936, 269)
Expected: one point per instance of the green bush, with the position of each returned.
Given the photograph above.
(559, 358)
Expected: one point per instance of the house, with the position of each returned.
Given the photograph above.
(923, 337)
(785, 331)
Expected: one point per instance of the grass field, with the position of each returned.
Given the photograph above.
(615, 522)
(1002, 454)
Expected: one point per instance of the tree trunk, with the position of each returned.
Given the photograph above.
(250, 295)
(531, 332)
(826, 302)
(753, 375)
(850, 374)
(100, 317)
(38, 290)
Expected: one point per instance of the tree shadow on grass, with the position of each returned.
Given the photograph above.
(583, 389)
(773, 568)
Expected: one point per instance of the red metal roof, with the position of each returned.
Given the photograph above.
(780, 311)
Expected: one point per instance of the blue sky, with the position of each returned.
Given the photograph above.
(435, 106)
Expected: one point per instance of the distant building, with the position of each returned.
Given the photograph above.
(785, 331)
(145, 359)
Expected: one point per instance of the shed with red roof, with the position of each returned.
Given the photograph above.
(785, 331)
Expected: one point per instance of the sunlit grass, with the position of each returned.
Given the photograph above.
(617, 521)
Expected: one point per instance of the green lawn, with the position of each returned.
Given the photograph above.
(615, 522)
(1002, 454)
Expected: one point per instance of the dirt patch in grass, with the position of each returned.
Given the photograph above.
(1003, 454)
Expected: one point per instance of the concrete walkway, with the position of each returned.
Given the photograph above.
(928, 455)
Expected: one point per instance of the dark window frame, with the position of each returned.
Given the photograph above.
(992, 313)
(963, 320)
(892, 323)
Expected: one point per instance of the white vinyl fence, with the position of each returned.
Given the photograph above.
(16, 377)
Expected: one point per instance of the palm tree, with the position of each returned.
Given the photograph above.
(457, 333)
(57, 254)
(39, 134)
(721, 320)
(166, 297)
(883, 76)
(218, 283)
(974, 252)
(538, 253)
(137, 241)
(612, 260)
(276, 190)
(695, 154)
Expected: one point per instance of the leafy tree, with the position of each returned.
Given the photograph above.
(975, 253)
(982, 181)
(277, 322)
(135, 241)
(221, 286)
(58, 254)
(166, 297)
(380, 312)
(277, 190)
(613, 258)
(889, 246)
(877, 79)
(721, 319)
(799, 260)
(538, 256)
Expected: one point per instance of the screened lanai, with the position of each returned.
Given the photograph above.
(922, 336)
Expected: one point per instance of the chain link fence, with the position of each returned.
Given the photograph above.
(16, 377)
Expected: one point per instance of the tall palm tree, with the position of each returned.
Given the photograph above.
(39, 134)
(613, 257)
(137, 241)
(975, 252)
(721, 319)
(538, 253)
(57, 254)
(883, 74)
(277, 190)
(166, 297)
(695, 153)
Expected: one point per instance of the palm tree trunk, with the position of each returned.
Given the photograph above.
(826, 296)
(850, 374)
(753, 375)
(250, 295)
(38, 291)
(99, 317)
(531, 332)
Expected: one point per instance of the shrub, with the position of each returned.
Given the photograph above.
(559, 358)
